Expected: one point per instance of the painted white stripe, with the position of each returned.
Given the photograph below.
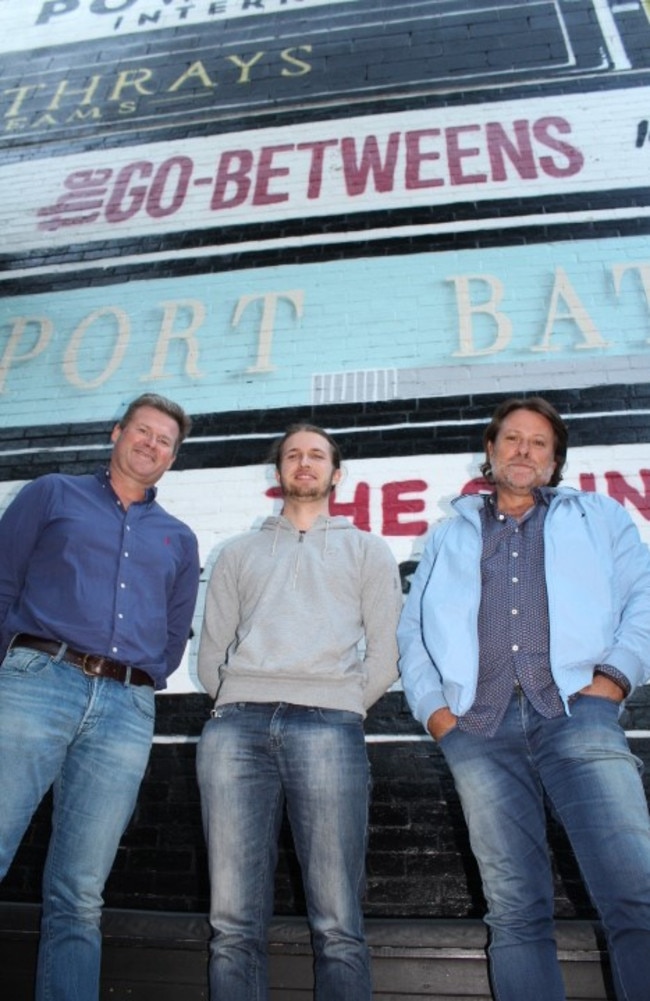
(323, 239)
(383, 738)
(269, 435)
(611, 35)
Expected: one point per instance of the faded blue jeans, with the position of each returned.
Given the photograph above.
(251, 758)
(90, 738)
(584, 766)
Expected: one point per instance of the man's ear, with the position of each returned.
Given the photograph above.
(336, 476)
(115, 433)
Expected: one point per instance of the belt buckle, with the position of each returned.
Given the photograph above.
(86, 665)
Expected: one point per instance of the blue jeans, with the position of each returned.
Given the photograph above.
(584, 766)
(90, 738)
(251, 758)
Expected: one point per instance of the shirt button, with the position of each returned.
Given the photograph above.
(502, 517)
(122, 585)
(515, 580)
(119, 615)
(515, 647)
(515, 612)
(126, 555)
(515, 554)
(114, 649)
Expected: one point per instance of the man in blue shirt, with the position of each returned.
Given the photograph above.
(527, 624)
(97, 590)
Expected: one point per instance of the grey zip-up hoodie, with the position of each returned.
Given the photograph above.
(307, 618)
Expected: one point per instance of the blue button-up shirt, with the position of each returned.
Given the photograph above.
(77, 567)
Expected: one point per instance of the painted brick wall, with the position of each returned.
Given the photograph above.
(382, 217)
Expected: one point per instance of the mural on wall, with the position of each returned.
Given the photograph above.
(211, 61)
(311, 207)
(430, 162)
(567, 314)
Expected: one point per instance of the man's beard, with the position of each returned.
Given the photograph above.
(305, 491)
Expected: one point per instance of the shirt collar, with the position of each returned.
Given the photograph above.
(542, 495)
(103, 474)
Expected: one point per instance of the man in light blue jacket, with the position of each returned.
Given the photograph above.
(527, 625)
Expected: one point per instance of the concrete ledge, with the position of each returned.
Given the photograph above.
(154, 956)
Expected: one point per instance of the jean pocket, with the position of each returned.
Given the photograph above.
(20, 660)
(226, 710)
(590, 698)
(143, 700)
(339, 717)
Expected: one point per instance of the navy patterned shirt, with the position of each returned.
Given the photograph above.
(513, 625)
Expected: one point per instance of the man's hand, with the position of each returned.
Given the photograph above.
(603, 687)
(441, 722)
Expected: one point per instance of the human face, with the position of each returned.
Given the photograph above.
(523, 454)
(146, 447)
(306, 468)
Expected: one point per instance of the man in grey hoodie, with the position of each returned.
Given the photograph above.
(298, 641)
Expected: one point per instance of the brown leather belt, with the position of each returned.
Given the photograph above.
(90, 663)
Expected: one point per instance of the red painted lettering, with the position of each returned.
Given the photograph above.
(479, 485)
(395, 503)
(126, 201)
(182, 167)
(315, 181)
(519, 152)
(622, 491)
(456, 154)
(233, 172)
(415, 157)
(357, 172)
(358, 509)
(574, 158)
(265, 174)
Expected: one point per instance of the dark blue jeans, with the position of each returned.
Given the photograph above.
(584, 765)
(251, 757)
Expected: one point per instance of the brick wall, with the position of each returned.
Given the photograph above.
(383, 218)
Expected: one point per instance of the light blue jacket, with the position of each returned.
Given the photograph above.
(598, 584)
